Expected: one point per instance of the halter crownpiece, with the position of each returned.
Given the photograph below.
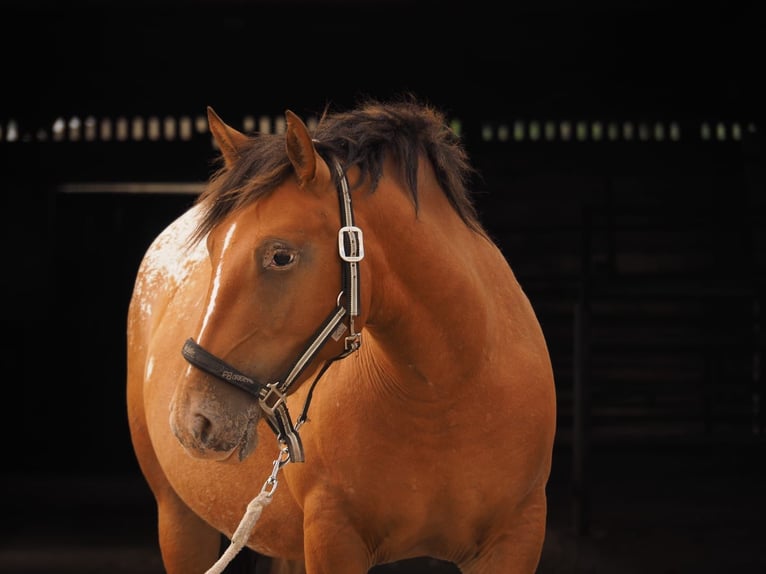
(271, 396)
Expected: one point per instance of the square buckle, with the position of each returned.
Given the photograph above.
(354, 236)
(272, 399)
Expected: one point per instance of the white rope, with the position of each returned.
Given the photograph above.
(252, 514)
(242, 533)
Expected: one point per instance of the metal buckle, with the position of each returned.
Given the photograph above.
(353, 342)
(272, 399)
(342, 244)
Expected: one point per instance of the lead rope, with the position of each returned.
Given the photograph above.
(252, 514)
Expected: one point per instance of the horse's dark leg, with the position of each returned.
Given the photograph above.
(246, 561)
(251, 562)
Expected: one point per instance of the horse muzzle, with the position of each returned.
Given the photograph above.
(208, 433)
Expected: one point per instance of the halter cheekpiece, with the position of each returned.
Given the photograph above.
(271, 396)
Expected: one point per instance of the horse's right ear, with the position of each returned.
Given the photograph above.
(229, 140)
(310, 169)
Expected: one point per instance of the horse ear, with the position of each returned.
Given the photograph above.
(309, 167)
(229, 141)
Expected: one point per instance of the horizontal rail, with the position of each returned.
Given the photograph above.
(132, 187)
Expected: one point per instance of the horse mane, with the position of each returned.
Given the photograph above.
(363, 137)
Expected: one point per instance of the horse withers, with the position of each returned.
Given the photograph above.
(332, 309)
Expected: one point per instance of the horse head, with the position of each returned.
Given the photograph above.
(276, 306)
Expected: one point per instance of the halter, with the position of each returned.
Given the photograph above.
(271, 396)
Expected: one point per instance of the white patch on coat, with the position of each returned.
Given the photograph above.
(170, 258)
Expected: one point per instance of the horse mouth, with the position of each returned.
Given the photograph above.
(243, 448)
(249, 439)
(216, 447)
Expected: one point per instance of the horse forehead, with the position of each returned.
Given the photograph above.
(288, 208)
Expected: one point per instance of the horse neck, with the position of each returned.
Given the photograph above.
(428, 276)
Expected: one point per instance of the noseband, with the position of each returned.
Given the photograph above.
(271, 395)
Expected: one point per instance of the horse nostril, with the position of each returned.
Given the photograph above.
(201, 427)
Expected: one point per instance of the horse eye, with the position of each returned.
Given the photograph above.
(281, 258)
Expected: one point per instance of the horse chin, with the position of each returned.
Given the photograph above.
(238, 453)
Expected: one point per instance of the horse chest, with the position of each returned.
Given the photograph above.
(365, 457)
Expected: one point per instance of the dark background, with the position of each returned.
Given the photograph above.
(643, 256)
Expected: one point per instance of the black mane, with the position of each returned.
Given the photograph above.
(362, 137)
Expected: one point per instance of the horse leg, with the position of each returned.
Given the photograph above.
(248, 561)
(280, 566)
(190, 546)
(187, 543)
(331, 545)
(517, 550)
(335, 557)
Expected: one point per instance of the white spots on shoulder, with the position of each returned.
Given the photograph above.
(170, 259)
(170, 254)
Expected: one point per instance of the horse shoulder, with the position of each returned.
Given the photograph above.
(163, 268)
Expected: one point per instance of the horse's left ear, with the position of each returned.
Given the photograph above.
(230, 141)
(310, 168)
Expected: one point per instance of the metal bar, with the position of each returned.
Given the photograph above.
(162, 187)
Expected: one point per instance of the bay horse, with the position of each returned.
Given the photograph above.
(394, 316)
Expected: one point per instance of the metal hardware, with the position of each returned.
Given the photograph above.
(272, 399)
(355, 235)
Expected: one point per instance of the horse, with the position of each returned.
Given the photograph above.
(341, 273)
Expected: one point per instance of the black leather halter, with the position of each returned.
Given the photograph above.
(271, 395)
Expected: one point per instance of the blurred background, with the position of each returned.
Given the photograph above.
(622, 160)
